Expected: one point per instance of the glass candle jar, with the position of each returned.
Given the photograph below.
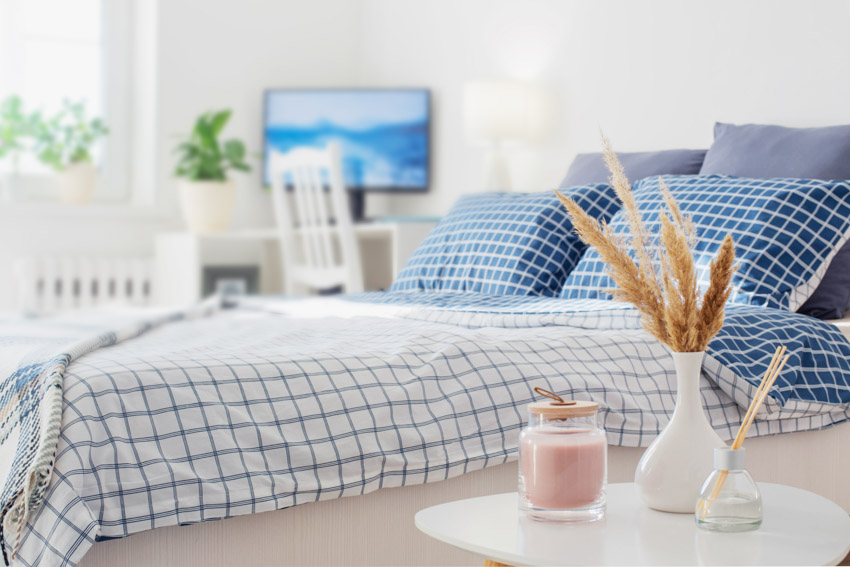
(729, 500)
(563, 462)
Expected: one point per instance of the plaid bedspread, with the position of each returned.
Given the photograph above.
(131, 422)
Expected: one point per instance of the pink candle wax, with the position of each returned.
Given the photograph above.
(563, 469)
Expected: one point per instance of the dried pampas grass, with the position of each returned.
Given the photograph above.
(662, 286)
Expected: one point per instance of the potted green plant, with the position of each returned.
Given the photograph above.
(206, 193)
(64, 143)
(16, 127)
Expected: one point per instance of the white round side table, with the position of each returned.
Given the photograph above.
(799, 528)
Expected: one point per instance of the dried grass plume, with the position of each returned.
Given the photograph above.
(659, 278)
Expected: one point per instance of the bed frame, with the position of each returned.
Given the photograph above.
(378, 529)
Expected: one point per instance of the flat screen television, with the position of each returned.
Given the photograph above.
(383, 133)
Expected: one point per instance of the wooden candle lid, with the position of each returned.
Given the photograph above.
(559, 408)
(563, 410)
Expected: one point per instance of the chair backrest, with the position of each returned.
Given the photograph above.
(49, 283)
(317, 241)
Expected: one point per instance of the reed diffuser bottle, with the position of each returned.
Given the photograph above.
(730, 500)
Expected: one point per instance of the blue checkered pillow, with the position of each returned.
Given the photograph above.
(786, 232)
(504, 244)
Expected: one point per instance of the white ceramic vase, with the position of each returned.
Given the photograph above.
(76, 183)
(207, 205)
(671, 471)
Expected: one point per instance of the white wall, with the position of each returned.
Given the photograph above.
(653, 74)
(202, 55)
(223, 53)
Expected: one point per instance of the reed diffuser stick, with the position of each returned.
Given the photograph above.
(777, 357)
(762, 399)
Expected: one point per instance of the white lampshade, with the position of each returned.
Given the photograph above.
(502, 110)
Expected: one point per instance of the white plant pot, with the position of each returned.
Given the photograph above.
(207, 205)
(76, 183)
(670, 473)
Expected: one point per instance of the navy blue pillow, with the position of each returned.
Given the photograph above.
(590, 168)
(504, 243)
(832, 297)
(756, 150)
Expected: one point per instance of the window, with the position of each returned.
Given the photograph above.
(51, 50)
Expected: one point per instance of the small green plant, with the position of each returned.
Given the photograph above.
(203, 158)
(16, 127)
(68, 137)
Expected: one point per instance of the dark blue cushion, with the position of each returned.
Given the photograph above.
(590, 168)
(832, 297)
(755, 150)
(504, 243)
(785, 230)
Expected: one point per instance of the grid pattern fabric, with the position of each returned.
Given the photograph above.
(786, 232)
(34, 355)
(271, 404)
(504, 244)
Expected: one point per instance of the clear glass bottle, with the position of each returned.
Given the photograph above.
(563, 462)
(729, 500)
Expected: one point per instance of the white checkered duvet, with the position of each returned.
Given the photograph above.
(276, 403)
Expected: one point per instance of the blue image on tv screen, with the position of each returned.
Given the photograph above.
(383, 134)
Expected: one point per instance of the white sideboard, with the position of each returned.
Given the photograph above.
(182, 259)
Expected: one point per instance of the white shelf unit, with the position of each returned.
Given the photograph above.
(181, 257)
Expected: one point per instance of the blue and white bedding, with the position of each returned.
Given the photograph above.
(786, 233)
(273, 403)
(505, 243)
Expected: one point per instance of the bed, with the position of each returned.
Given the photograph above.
(419, 391)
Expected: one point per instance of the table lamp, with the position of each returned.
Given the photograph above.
(499, 113)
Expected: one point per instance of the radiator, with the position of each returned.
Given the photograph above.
(48, 284)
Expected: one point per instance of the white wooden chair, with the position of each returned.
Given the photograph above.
(318, 246)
